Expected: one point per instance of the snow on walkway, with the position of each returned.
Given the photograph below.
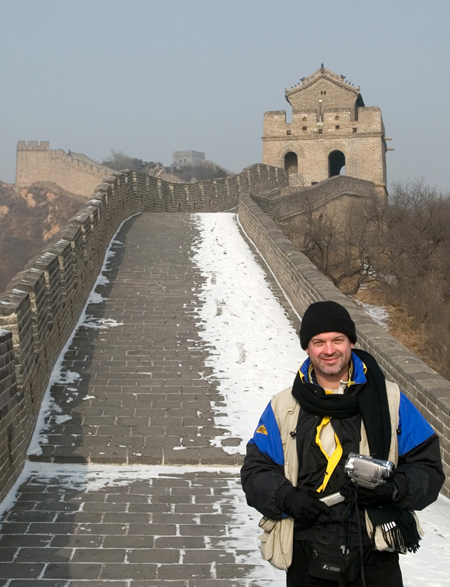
(256, 351)
(257, 355)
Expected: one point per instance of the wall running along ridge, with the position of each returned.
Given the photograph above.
(37, 162)
(303, 284)
(43, 302)
(285, 203)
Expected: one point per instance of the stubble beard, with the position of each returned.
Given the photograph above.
(330, 370)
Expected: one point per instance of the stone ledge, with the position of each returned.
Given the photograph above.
(427, 389)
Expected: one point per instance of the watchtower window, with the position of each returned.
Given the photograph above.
(288, 132)
(336, 163)
(355, 130)
(291, 163)
(337, 127)
(336, 117)
(305, 118)
(304, 128)
(323, 93)
(320, 131)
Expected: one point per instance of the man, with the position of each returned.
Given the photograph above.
(340, 403)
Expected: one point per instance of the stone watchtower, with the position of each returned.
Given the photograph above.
(332, 132)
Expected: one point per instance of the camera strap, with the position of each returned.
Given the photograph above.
(351, 511)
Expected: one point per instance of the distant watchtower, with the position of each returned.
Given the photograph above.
(332, 132)
(185, 158)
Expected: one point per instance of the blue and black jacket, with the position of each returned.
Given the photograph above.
(263, 477)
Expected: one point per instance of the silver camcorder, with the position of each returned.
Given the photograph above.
(366, 471)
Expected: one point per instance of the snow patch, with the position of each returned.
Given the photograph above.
(62, 418)
(255, 349)
(101, 323)
(379, 314)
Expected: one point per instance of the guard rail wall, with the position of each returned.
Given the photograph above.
(43, 302)
(303, 284)
(281, 204)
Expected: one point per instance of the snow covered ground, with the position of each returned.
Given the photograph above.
(257, 353)
(240, 315)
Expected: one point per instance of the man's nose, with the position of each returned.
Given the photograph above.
(329, 348)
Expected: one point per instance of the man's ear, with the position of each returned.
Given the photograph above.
(307, 352)
(352, 345)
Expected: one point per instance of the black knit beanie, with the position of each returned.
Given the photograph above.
(326, 317)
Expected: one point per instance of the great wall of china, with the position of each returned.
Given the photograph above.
(74, 172)
(330, 129)
(44, 301)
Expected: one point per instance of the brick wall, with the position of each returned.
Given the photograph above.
(39, 310)
(37, 162)
(43, 302)
(304, 284)
(281, 204)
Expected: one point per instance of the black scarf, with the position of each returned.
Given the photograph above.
(370, 401)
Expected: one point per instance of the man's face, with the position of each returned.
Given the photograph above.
(330, 354)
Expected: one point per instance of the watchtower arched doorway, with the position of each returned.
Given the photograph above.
(291, 163)
(336, 163)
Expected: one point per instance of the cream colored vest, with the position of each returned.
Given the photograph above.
(278, 538)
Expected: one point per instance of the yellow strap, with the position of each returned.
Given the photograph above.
(333, 460)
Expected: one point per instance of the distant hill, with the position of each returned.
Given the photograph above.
(205, 170)
(30, 219)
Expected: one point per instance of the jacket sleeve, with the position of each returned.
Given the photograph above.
(419, 457)
(262, 474)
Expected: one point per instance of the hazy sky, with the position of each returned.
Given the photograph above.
(150, 77)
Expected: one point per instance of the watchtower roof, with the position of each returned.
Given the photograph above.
(323, 77)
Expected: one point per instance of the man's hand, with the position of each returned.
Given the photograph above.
(392, 491)
(304, 506)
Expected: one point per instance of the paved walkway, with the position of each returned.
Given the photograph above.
(133, 483)
(141, 395)
(133, 390)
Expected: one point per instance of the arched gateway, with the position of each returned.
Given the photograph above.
(291, 163)
(332, 128)
(336, 161)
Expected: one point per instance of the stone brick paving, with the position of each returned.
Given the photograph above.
(178, 529)
(140, 396)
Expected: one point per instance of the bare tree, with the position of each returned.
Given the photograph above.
(119, 160)
(344, 246)
(404, 246)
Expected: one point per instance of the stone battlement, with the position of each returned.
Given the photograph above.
(75, 173)
(44, 301)
(33, 146)
(282, 204)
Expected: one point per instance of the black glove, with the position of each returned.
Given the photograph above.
(304, 506)
(392, 491)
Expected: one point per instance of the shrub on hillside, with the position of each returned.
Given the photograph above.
(403, 246)
(205, 171)
(119, 161)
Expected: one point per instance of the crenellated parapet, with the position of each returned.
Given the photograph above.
(284, 203)
(43, 303)
(73, 172)
(304, 284)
